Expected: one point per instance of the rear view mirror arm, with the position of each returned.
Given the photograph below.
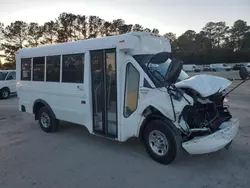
(236, 87)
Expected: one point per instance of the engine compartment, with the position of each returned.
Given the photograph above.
(206, 115)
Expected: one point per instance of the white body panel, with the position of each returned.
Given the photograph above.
(206, 85)
(7, 82)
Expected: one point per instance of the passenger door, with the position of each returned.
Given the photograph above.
(11, 81)
(104, 92)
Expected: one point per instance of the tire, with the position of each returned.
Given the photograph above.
(166, 131)
(47, 120)
(5, 93)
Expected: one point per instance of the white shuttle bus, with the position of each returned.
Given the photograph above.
(126, 86)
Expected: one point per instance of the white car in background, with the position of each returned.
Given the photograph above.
(7, 83)
(248, 67)
(220, 67)
(191, 68)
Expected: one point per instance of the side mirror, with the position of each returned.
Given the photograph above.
(161, 57)
(243, 73)
(174, 71)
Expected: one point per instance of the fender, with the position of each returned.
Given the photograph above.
(163, 111)
(38, 104)
(153, 116)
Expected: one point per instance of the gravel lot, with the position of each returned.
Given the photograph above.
(73, 158)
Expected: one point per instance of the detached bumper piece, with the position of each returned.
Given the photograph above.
(215, 141)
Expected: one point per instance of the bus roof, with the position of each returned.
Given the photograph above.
(135, 42)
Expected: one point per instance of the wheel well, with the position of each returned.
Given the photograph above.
(5, 88)
(38, 104)
(150, 113)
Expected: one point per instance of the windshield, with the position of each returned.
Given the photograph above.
(158, 70)
(3, 75)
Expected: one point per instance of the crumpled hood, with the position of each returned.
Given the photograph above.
(206, 85)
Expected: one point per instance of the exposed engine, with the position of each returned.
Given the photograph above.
(209, 113)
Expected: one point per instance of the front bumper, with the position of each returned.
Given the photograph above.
(215, 141)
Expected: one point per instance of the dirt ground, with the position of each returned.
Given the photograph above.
(30, 158)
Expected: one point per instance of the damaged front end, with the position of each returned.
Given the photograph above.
(197, 104)
(207, 124)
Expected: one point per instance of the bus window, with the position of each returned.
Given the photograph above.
(73, 68)
(38, 68)
(26, 69)
(53, 69)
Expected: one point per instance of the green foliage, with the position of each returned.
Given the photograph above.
(1, 33)
(216, 42)
(50, 33)
(35, 32)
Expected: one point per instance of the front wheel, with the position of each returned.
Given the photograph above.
(5, 93)
(161, 141)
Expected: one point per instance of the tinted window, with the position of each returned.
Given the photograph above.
(11, 76)
(26, 69)
(53, 69)
(72, 70)
(131, 90)
(3, 75)
(38, 68)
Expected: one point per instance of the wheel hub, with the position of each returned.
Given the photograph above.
(158, 142)
(5, 94)
(45, 120)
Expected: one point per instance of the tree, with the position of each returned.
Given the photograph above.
(170, 36)
(15, 36)
(186, 43)
(106, 29)
(16, 33)
(238, 31)
(216, 32)
(49, 32)
(246, 43)
(215, 43)
(94, 26)
(116, 27)
(80, 27)
(125, 28)
(1, 32)
(202, 43)
(156, 31)
(173, 41)
(137, 27)
(147, 30)
(35, 33)
(66, 24)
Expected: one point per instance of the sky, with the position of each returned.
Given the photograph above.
(166, 15)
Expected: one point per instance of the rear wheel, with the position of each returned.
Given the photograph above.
(161, 141)
(47, 120)
(5, 93)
